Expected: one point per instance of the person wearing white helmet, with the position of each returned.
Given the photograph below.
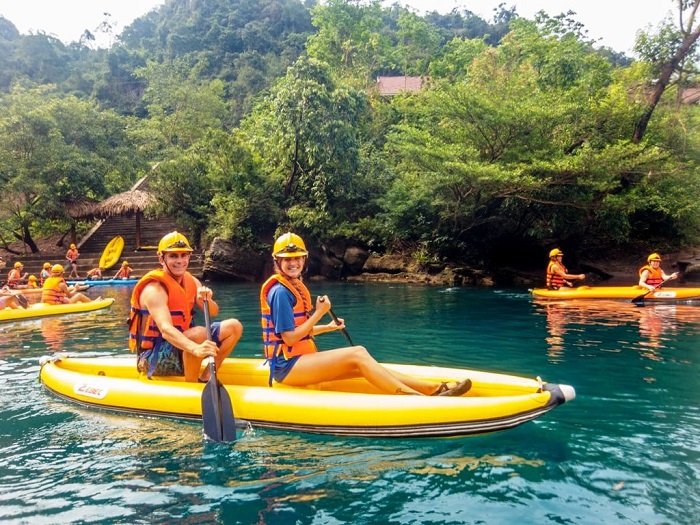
(161, 327)
(290, 322)
(557, 274)
(651, 276)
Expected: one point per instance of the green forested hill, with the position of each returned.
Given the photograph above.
(263, 115)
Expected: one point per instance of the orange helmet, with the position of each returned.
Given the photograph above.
(19, 265)
(32, 277)
(47, 266)
(174, 242)
(72, 246)
(57, 268)
(289, 245)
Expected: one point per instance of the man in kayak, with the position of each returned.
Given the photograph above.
(651, 275)
(289, 326)
(557, 275)
(124, 271)
(57, 291)
(161, 328)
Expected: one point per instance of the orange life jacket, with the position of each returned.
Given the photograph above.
(655, 277)
(72, 255)
(143, 331)
(273, 345)
(51, 293)
(554, 280)
(14, 277)
(123, 273)
(93, 272)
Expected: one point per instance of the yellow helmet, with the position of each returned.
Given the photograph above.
(32, 277)
(555, 252)
(57, 268)
(174, 242)
(47, 265)
(654, 257)
(19, 265)
(289, 245)
(72, 246)
(125, 263)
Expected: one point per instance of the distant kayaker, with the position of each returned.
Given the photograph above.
(95, 274)
(15, 278)
(161, 329)
(124, 271)
(557, 275)
(289, 326)
(651, 275)
(57, 291)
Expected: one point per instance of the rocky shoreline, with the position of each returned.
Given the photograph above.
(340, 261)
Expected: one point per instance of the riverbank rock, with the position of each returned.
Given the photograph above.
(224, 260)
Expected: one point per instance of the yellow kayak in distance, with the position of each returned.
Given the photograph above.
(38, 310)
(112, 252)
(350, 407)
(668, 295)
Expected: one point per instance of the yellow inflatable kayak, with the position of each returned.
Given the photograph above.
(44, 310)
(345, 407)
(112, 252)
(619, 292)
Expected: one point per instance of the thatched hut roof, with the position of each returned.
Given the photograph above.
(127, 203)
(79, 208)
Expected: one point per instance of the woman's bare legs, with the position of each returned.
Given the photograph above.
(353, 361)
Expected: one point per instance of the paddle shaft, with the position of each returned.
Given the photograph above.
(337, 321)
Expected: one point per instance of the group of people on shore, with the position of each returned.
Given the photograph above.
(166, 342)
(651, 276)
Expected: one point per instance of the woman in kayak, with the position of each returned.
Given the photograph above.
(289, 325)
(651, 275)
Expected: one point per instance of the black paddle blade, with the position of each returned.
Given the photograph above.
(217, 413)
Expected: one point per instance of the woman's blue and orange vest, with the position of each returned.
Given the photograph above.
(656, 276)
(143, 331)
(273, 345)
(555, 281)
(51, 293)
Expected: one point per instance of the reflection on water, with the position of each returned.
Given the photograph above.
(658, 324)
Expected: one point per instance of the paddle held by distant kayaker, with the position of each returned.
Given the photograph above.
(161, 328)
(290, 321)
(557, 275)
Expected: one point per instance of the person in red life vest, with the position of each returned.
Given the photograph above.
(557, 275)
(45, 273)
(15, 278)
(289, 325)
(161, 324)
(95, 274)
(72, 257)
(57, 291)
(651, 275)
(124, 271)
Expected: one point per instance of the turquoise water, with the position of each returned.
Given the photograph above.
(625, 451)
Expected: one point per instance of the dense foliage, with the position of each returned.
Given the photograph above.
(254, 116)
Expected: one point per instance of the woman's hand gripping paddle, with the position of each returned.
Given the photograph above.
(640, 298)
(217, 412)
